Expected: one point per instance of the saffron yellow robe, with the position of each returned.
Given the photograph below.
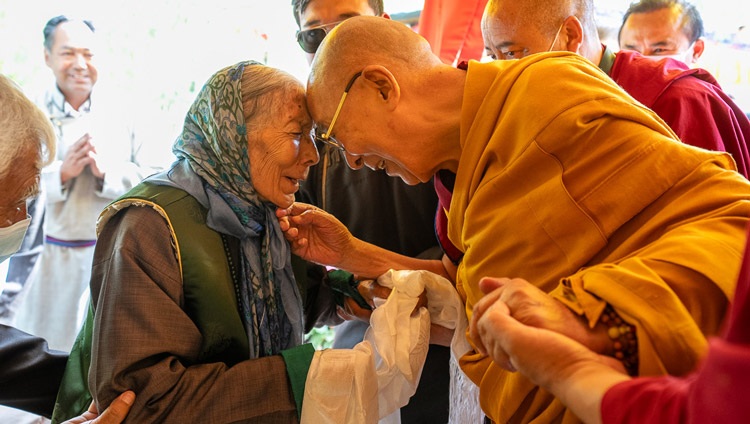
(566, 181)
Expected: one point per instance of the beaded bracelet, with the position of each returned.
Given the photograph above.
(625, 342)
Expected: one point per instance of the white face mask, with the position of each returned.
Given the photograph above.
(685, 56)
(12, 237)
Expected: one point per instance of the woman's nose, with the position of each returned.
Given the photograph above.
(309, 153)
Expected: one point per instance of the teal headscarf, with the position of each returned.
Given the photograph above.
(214, 147)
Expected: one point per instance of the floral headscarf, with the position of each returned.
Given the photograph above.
(214, 144)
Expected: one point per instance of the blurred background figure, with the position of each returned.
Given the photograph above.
(97, 160)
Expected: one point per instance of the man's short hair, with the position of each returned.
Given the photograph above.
(299, 7)
(691, 21)
(51, 25)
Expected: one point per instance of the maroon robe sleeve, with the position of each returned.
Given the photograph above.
(704, 116)
(718, 392)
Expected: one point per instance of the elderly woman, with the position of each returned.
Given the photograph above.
(196, 305)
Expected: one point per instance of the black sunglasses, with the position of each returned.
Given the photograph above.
(311, 38)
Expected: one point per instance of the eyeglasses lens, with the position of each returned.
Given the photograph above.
(310, 39)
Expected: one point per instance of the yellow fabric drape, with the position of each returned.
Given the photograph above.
(566, 181)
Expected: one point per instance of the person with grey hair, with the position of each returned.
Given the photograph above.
(98, 158)
(197, 305)
(31, 373)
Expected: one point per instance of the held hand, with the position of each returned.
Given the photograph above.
(115, 414)
(314, 234)
(76, 158)
(516, 346)
(369, 290)
(531, 306)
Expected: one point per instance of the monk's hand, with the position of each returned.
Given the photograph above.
(315, 235)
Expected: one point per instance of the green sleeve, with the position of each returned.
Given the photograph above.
(298, 360)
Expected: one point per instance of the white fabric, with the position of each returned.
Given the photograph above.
(464, 397)
(51, 304)
(396, 344)
(54, 301)
(341, 387)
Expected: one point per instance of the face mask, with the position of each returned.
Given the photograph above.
(682, 56)
(12, 237)
(521, 53)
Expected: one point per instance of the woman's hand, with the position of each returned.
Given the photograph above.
(315, 235)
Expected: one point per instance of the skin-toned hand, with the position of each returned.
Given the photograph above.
(314, 234)
(115, 414)
(371, 290)
(94, 164)
(76, 158)
(531, 306)
(576, 375)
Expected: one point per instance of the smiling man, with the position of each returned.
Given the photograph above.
(563, 180)
(97, 160)
(375, 206)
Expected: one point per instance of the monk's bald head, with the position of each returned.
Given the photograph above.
(367, 40)
(533, 24)
(545, 15)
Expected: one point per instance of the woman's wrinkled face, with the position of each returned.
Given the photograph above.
(281, 149)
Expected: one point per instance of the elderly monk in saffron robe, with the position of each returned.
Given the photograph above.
(623, 238)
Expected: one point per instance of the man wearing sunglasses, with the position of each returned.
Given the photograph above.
(375, 206)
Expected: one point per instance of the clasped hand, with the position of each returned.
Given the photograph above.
(528, 305)
(80, 155)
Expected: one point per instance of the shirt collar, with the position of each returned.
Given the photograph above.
(58, 106)
(608, 59)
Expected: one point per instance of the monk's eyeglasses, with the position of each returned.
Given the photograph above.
(326, 137)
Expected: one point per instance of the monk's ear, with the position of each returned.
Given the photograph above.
(572, 34)
(382, 80)
(697, 49)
